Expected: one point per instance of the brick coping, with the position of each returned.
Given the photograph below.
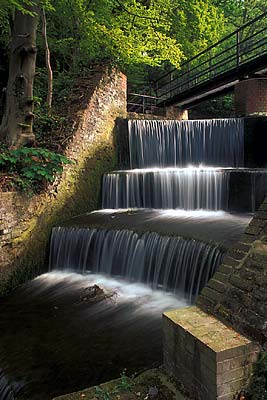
(207, 329)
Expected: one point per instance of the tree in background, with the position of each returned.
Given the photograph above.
(18, 116)
(239, 12)
(17, 123)
(129, 34)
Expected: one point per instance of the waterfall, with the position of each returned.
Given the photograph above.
(8, 391)
(186, 188)
(182, 266)
(157, 143)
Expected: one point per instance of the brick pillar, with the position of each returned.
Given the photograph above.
(210, 360)
(251, 97)
(176, 113)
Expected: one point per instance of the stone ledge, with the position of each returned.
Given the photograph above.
(210, 359)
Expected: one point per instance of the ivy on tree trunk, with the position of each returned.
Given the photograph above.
(16, 127)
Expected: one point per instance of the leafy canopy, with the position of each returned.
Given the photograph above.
(238, 12)
(130, 31)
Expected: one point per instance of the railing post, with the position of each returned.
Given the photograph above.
(144, 104)
(210, 64)
(188, 75)
(237, 48)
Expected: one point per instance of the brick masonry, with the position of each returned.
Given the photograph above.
(176, 113)
(237, 293)
(26, 223)
(209, 359)
(251, 97)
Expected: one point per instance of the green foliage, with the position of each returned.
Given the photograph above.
(220, 107)
(47, 124)
(258, 387)
(125, 385)
(45, 127)
(102, 394)
(31, 168)
(130, 32)
(196, 25)
(238, 12)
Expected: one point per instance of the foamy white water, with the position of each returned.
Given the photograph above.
(145, 299)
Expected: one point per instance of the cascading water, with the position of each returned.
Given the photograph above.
(7, 392)
(188, 188)
(216, 142)
(182, 266)
(177, 261)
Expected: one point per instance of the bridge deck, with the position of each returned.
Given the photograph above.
(239, 55)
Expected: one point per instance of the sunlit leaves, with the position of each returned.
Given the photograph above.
(131, 32)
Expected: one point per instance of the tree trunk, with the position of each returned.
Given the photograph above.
(16, 127)
(48, 65)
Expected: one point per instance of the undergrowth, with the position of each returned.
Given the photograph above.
(29, 169)
(125, 384)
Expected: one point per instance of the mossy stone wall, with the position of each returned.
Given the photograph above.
(26, 223)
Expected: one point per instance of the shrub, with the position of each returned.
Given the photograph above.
(30, 169)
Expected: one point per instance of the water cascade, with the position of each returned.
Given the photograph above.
(187, 188)
(178, 262)
(182, 266)
(216, 142)
(154, 248)
(6, 391)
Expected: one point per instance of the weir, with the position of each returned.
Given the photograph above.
(216, 142)
(188, 188)
(174, 260)
(240, 189)
(182, 266)
(160, 236)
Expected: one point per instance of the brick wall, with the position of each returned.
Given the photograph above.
(210, 360)
(251, 97)
(237, 293)
(26, 223)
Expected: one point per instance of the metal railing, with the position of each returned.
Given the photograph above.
(144, 104)
(230, 54)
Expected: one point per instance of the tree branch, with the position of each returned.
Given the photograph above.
(48, 65)
(134, 14)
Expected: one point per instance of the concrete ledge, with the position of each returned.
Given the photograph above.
(209, 359)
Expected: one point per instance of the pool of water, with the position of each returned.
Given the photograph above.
(55, 341)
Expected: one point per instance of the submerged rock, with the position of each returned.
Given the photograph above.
(94, 294)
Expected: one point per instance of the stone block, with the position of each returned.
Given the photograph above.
(209, 359)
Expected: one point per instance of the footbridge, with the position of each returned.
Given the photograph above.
(215, 71)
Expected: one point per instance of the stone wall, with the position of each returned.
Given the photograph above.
(26, 222)
(237, 293)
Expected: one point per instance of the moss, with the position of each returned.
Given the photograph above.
(78, 191)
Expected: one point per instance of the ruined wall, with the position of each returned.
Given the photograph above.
(237, 293)
(26, 223)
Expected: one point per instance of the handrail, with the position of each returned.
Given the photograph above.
(232, 34)
(143, 95)
(228, 55)
(143, 103)
(230, 59)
